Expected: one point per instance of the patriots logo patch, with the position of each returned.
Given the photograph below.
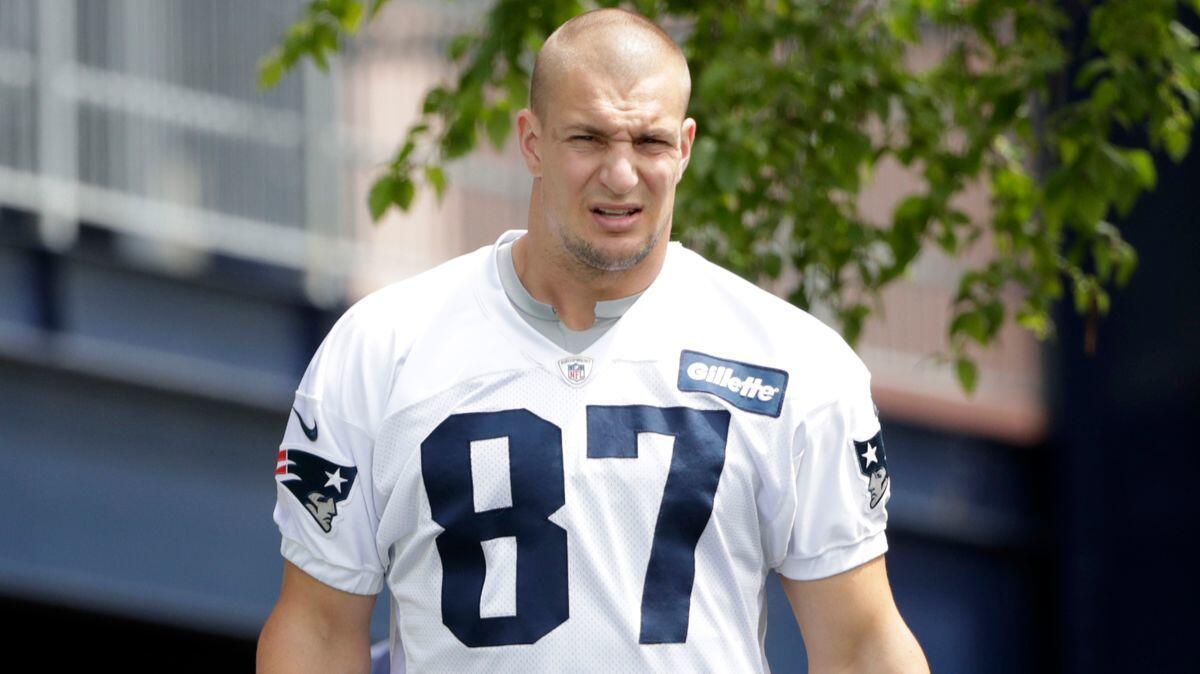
(318, 485)
(872, 461)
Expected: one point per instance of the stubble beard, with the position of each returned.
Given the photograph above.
(595, 260)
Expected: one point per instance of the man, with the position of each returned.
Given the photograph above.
(583, 448)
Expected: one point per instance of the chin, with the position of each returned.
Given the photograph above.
(614, 255)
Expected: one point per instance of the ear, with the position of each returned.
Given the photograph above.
(529, 131)
(686, 137)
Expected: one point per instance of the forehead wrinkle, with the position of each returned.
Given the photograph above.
(590, 102)
(610, 121)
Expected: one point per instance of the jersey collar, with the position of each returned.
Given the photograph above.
(639, 334)
(519, 294)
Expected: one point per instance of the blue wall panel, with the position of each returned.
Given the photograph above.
(173, 316)
(17, 297)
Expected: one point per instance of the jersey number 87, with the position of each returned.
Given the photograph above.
(536, 478)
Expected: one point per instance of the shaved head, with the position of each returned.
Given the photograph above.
(620, 43)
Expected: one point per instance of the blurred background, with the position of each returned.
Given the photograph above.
(174, 244)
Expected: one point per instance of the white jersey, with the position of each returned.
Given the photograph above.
(535, 510)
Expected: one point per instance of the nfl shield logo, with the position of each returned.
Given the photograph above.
(575, 370)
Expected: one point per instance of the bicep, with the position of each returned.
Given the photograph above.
(315, 626)
(836, 614)
(345, 609)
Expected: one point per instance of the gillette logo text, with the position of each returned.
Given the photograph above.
(753, 388)
(721, 375)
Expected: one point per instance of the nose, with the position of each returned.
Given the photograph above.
(619, 173)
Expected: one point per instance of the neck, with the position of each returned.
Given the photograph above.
(552, 276)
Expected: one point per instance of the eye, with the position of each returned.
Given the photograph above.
(583, 138)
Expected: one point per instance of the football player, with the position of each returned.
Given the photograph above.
(584, 447)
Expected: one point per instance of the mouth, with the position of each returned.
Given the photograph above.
(616, 217)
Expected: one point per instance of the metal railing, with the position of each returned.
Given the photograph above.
(144, 117)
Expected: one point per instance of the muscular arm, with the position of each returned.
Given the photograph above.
(315, 628)
(850, 623)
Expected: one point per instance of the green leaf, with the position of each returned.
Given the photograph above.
(435, 176)
(1103, 260)
(852, 319)
(1091, 70)
(1143, 167)
(318, 56)
(458, 47)
(270, 70)
(1102, 301)
(1083, 296)
(404, 192)
(1037, 322)
(772, 265)
(967, 372)
(1176, 139)
(459, 139)
(993, 313)
(1104, 95)
(381, 196)
(1127, 263)
(405, 152)
(435, 100)
(972, 324)
(499, 124)
(351, 18)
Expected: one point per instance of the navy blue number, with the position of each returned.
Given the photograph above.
(536, 478)
(535, 462)
(687, 502)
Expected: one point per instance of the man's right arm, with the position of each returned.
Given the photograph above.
(315, 628)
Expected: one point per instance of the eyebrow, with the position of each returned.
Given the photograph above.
(593, 131)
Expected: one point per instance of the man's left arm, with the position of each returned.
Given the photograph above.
(850, 623)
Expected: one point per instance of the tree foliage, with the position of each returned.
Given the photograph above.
(799, 100)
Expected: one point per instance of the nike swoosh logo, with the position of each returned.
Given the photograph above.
(310, 433)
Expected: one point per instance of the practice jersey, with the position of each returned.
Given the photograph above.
(535, 510)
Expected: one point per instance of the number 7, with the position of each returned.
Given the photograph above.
(696, 464)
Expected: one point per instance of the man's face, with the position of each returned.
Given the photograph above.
(608, 146)
(323, 508)
(877, 485)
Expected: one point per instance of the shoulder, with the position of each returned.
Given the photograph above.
(359, 357)
(731, 314)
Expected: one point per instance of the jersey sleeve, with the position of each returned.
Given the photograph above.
(325, 507)
(841, 487)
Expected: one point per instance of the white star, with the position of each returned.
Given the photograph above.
(335, 479)
(870, 454)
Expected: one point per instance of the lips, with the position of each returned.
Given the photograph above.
(616, 217)
(615, 210)
(616, 220)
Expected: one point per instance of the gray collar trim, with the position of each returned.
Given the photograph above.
(517, 292)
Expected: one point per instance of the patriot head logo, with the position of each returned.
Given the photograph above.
(872, 461)
(318, 484)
